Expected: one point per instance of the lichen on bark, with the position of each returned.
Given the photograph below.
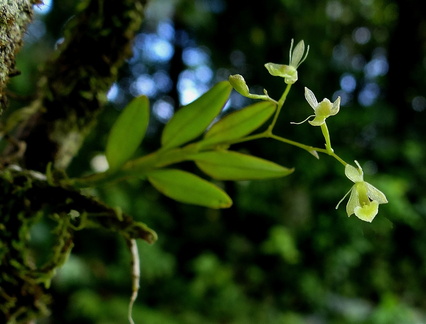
(71, 94)
(15, 15)
(26, 197)
(76, 80)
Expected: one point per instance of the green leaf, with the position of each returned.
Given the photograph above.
(127, 132)
(228, 165)
(191, 120)
(239, 123)
(188, 188)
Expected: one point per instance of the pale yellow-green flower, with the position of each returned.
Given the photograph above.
(364, 198)
(323, 110)
(289, 72)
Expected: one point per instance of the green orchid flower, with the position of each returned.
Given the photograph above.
(364, 199)
(289, 72)
(323, 110)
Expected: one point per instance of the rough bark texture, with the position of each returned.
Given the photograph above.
(26, 198)
(71, 94)
(15, 15)
(76, 81)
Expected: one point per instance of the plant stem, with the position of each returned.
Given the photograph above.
(338, 158)
(326, 135)
(310, 149)
(328, 148)
(280, 104)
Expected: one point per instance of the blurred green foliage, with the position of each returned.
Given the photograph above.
(281, 253)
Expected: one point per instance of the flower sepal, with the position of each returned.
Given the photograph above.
(289, 72)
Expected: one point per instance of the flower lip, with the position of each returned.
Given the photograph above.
(364, 199)
(367, 212)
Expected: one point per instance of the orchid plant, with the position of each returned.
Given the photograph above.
(193, 135)
(364, 198)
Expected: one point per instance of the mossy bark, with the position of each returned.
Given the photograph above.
(14, 18)
(26, 198)
(73, 89)
(71, 94)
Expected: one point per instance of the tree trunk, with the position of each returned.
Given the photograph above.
(71, 94)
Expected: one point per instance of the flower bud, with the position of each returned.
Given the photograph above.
(239, 84)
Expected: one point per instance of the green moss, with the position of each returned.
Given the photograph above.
(28, 200)
(14, 19)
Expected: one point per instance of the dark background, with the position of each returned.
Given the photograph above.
(281, 253)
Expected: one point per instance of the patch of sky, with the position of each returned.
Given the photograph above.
(44, 8)
(165, 30)
(378, 66)
(157, 48)
(369, 94)
(162, 81)
(59, 42)
(143, 85)
(344, 97)
(153, 48)
(361, 35)
(138, 68)
(35, 31)
(160, 10)
(116, 95)
(113, 92)
(195, 56)
(348, 83)
(189, 87)
(163, 110)
(238, 101)
(203, 73)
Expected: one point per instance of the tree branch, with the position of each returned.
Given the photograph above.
(14, 19)
(25, 198)
(73, 89)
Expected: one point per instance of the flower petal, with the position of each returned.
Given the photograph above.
(280, 70)
(336, 107)
(353, 201)
(367, 212)
(375, 194)
(354, 174)
(310, 98)
(297, 54)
